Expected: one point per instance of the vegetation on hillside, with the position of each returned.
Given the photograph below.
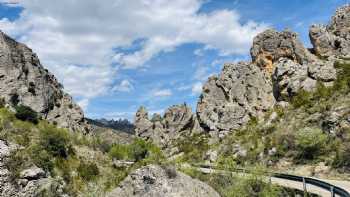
(77, 159)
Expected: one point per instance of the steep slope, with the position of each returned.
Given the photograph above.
(24, 81)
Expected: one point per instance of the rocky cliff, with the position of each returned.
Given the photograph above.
(24, 81)
(280, 68)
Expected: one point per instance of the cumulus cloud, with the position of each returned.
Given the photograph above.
(197, 88)
(162, 93)
(83, 103)
(80, 40)
(124, 86)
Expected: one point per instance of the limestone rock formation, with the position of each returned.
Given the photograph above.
(270, 45)
(23, 80)
(155, 181)
(334, 38)
(281, 66)
(177, 120)
(241, 91)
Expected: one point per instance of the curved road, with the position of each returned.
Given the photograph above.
(288, 183)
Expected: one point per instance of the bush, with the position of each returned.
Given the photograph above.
(139, 149)
(310, 143)
(302, 98)
(42, 158)
(87, 171)
(119, 151)
(26, 113)
(342, 82)
(136, 151)
(342, 158)
(194, 147)
(55, 141)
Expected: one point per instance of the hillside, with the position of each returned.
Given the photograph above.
(285, 111)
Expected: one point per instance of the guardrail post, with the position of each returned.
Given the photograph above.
(304, 186)
(332, 191)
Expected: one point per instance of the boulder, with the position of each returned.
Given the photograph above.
(333, 39)
(155, 181)
(32, 173)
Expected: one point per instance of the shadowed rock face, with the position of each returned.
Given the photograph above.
(154, 181)
(23, 80)
(334, 38)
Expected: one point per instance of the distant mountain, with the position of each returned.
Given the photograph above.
(121, 124)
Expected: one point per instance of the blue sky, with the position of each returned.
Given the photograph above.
(114, 57)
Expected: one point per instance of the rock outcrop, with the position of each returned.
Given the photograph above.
(155, 181)
(228, 101)
(334, 38)
(24, 81)
(177, 120)
(281, 66)
(270, 45)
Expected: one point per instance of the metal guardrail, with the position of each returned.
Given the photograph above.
(334, 190)
(318, 183)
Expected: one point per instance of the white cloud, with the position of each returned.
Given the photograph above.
(202, 73)
(75, 39)
(197, 88)
(83, 103)
(198, 52)
(124, 86)
(162, 93)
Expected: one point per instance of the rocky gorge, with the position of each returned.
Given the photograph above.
(287, 109)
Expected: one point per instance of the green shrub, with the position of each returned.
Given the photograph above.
(310, 143)
(302, 98)
(42, 158)
(14, 164)
(119, 151)
(342, 158)
(342, 82)
(26, 113)
(87, 171)
(194, 147)
(139, 149)
(55, 141)
(136, 151)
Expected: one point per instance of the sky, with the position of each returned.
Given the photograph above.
(113, 56)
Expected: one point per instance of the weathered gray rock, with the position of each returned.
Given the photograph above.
(289, 78)
(32, 173)
(176, 121)
(333, 39)
(154, 181)
(23, 80)
(270, 45)
(142, 123)
(228, 101)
